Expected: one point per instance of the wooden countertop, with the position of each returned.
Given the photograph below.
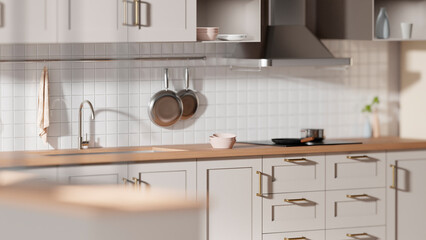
(192, 151)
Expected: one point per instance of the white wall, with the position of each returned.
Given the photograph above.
(413, 88)
(275, 102)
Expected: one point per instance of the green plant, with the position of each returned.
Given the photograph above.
(368, 108)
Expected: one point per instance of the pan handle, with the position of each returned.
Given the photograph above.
(186, 79)
(166, 78)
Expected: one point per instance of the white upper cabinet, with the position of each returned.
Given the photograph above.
(28, 21)
(162, 20)
(91, 21)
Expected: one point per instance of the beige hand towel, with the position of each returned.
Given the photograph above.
(43, 119)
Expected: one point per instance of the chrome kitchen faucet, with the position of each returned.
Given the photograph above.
(85, 143)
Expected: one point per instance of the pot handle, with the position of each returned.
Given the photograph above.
(166, 78)
(186, 79)
(309, 139)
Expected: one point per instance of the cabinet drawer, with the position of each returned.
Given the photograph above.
(293, 212)
(108, 174)
(360, 170)
(376, 233)
(308, 235)
(293, 174)
(354, 208)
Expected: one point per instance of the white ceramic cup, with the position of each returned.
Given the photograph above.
(406, 30)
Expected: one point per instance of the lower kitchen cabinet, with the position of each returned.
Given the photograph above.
(40, 174)
(305, 235)
(179, 177)
(233, 210)
(406, 195)
(366, 233)
(93, 174)
(294, 212)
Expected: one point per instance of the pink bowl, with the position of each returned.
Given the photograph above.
(208, 36)
(208, 29)
(222, 143)
(225, 135)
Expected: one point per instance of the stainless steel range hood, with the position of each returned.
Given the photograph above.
(287, 39)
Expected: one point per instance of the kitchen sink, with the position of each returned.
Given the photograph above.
(110, 152)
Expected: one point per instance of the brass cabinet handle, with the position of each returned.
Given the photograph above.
(357, 157)
(125, 13)
(357, 195)
(259, 194)
(137, 183)
(137, 13)
(356, 234)
(393, 176)
(296, 238)
(126, 181)
(295, 160)
(295, 200)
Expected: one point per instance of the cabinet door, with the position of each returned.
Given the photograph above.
(93, 175)
(91, 21)
(42, 174)
(357, 170)
(179, 177)
(406, 201)
(37, 174)
(229, 187)
(165, 21)
(293, 174)
(28, 21)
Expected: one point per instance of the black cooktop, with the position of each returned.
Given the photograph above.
(321, 143)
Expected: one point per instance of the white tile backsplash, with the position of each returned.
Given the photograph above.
(275, 102)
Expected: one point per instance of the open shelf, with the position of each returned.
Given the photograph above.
(356, 19)
(404, 11)
(232, 17)
(221, 41)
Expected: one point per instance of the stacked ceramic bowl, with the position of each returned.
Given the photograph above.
(207, 33)
(223, 140)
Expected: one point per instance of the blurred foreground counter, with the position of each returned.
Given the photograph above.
(50, 212)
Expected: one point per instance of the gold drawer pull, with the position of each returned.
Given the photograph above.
(357, 195)
(393, 176)
(357, 157)
(295, 200)
(356, 234)
(296, 238)
(259, 194)
(295, 160)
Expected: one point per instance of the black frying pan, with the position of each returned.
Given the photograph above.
(294, 141)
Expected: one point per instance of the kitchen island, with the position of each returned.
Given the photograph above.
(38, 211)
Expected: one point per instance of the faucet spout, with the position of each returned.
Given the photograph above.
(82, 143)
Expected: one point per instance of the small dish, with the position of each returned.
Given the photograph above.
(231, 37)
(207, 29)
(206, 36)
(225, 135)
(223, 143)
